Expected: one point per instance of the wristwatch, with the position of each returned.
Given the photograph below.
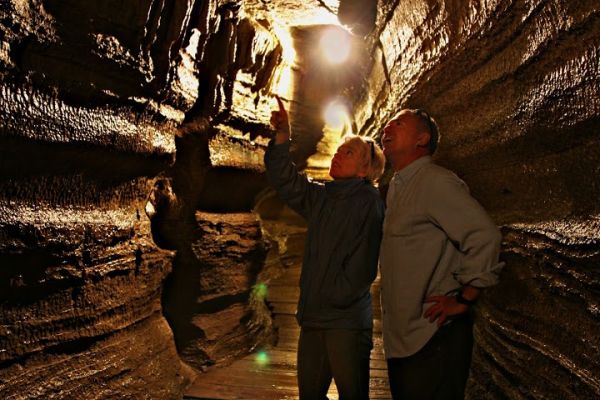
(460, 299)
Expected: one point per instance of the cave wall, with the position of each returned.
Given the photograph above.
(83, 133)
(515, 89)
(131, 178)
(116, 126)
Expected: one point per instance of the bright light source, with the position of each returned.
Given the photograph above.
(336, 115)
(335, 44)
(283, 81)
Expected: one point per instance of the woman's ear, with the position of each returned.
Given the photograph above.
(363, 172)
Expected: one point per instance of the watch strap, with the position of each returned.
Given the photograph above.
(460, 299)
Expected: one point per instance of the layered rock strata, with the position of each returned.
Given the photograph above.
(93, 97)
(131, 139)
(514, 87)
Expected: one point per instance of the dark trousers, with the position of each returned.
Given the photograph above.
(438, 371)
(340, 354)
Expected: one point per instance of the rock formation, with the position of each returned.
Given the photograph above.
(136, 224)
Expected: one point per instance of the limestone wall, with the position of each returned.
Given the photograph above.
(94, 209)
(131, 143)
(515, 88)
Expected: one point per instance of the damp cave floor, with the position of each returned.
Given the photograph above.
(250, 379)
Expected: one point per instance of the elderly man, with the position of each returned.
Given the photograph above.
(439, 249)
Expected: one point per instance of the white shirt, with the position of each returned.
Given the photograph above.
(436, 238)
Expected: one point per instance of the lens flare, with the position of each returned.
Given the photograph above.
(261, 290)
(262, 358)
(336, 115)
(335, 44)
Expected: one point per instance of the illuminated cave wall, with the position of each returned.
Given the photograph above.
(515, 88)
(131, 142)
(114, 172)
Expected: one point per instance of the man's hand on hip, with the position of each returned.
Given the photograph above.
(443, 307)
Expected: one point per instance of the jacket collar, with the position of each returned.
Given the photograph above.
(344, 187)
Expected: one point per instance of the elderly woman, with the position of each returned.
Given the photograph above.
(345, 219)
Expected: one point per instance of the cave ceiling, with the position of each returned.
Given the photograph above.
(294, 13)
(132, 184)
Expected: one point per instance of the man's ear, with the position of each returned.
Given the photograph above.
(423, 140)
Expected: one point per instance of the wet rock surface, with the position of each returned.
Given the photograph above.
(543, 313)
(514, 88)
(99, 368)
(213, 298)
(83, 132)
(132, 184)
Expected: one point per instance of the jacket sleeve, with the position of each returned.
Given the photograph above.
(359, 269)
(293, 187)
(469, 227)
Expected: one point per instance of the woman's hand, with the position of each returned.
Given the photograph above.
(281, 123)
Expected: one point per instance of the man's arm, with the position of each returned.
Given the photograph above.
(472, 231)
(447, 306)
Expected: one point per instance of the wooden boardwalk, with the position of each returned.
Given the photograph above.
(271, 373)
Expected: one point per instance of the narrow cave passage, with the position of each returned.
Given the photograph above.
(269, 372)
(142, 251)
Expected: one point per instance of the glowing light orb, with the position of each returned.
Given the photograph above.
(336, 45)
(261, 290)
(262, 358)
(336, 115)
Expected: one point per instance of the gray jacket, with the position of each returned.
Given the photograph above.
(345, 220)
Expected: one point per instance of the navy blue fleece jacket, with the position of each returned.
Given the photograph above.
(345, 220)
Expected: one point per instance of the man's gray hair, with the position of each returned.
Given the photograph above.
(431, 127)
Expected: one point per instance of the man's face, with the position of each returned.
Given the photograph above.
(400, 136)
(348, 162)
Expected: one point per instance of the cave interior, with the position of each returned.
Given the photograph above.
(138, 232)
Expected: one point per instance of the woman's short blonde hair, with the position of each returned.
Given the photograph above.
(372, 155)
